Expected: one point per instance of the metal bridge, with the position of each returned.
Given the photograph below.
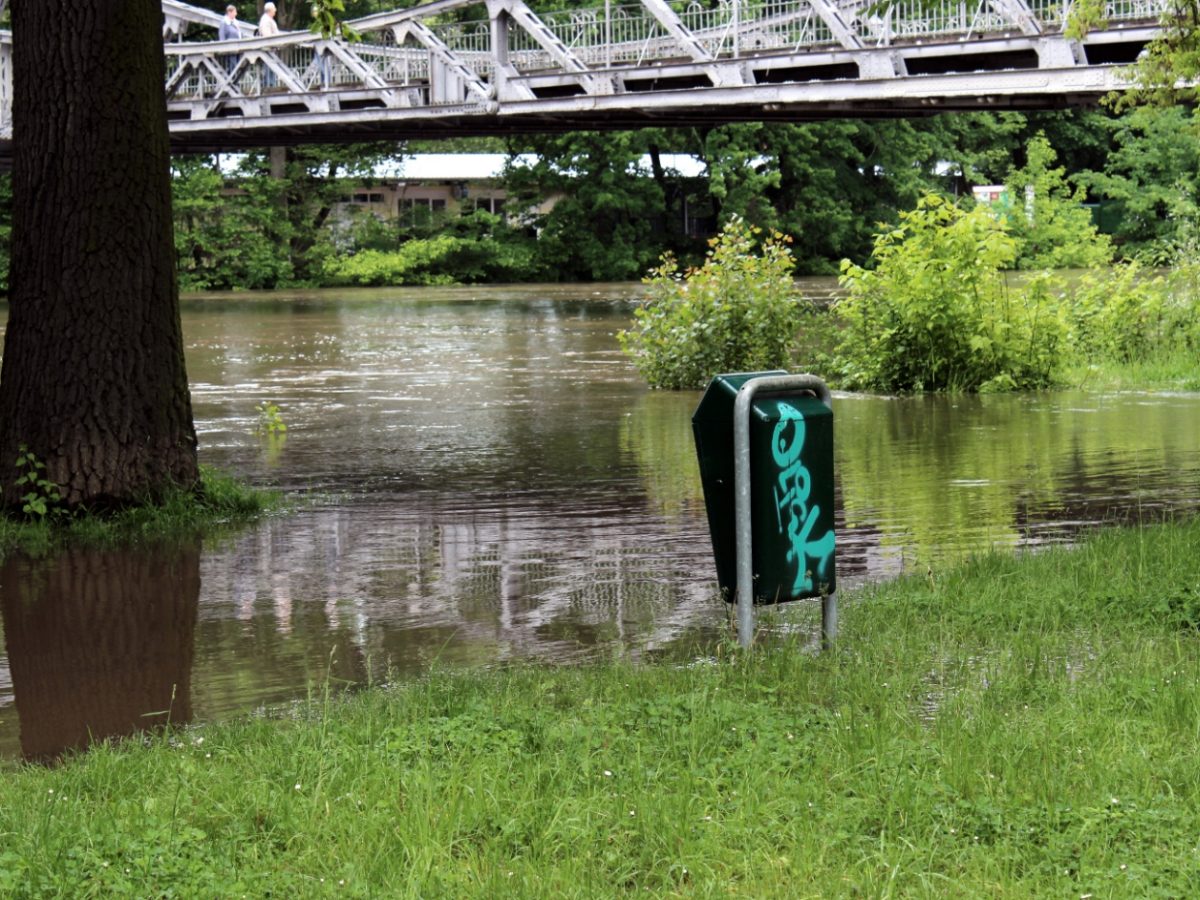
(650, 62)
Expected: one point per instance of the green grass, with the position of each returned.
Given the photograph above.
(1175, 369)
(223, 503)
(1014, 727)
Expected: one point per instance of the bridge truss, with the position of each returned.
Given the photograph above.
(626, 65)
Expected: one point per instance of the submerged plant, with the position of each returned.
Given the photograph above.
(270, 420)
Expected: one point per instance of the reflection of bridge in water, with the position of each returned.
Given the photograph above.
(635, 64)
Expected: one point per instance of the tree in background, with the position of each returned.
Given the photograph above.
(826, 184)
(249, 229)
(229, 232)
(93, 379)
(1153, 174)
(1053, 228)
(607, 222)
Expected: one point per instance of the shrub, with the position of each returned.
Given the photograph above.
(444, 259)
(738, 312)
(1056, 230)
(937, 314)
(1124, 314)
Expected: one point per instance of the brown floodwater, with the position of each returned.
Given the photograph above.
(485, 479)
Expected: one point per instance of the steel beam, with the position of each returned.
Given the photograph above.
(447, 57)
(548, 41)
(838, 26)
(720, 76)
(1019, 13)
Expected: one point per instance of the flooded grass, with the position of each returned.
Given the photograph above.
(1171, 369)
(1016, 726)
(223, 503)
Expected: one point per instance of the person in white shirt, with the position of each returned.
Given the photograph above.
(266, 25)
(268, 28)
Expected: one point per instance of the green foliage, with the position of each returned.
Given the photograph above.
(738, 312)
(1056, 230)
(1125, 314)
(608, 222)
(41, 498)
(267, 225)
(228, 237)
(827, 183)
(1166, 72)
(937, 313)
(444, 259)
(328, 20)
(270, 419)
(1153, 172)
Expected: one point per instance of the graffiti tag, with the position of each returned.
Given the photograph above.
(796, 516)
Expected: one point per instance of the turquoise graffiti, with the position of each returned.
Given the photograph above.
(795, 515)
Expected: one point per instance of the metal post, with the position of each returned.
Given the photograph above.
(737, 27)
(829, 620)
(741, 487)
(499, 37)
(608, 34)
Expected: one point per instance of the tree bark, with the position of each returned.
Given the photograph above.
(93, 378)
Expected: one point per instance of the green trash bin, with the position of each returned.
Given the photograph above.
(791, 487)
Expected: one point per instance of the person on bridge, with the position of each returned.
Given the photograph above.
(268, 28)
(266, 25)
(229, 31)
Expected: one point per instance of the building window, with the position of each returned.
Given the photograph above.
(493, 205)
(422, 211)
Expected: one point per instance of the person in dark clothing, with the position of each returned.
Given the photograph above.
(229, 31)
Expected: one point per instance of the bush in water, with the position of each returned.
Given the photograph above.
(1124, 314)
(738, 312)
(937, 313)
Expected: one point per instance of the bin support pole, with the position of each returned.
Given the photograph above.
(741, 486)
(829, 619)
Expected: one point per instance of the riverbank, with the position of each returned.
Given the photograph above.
(224, 503)
(1017, 726)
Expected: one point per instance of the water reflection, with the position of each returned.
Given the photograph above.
(99, 643)
(494, 482)
(941, 477)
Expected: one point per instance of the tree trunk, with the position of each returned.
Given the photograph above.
(93, 378)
